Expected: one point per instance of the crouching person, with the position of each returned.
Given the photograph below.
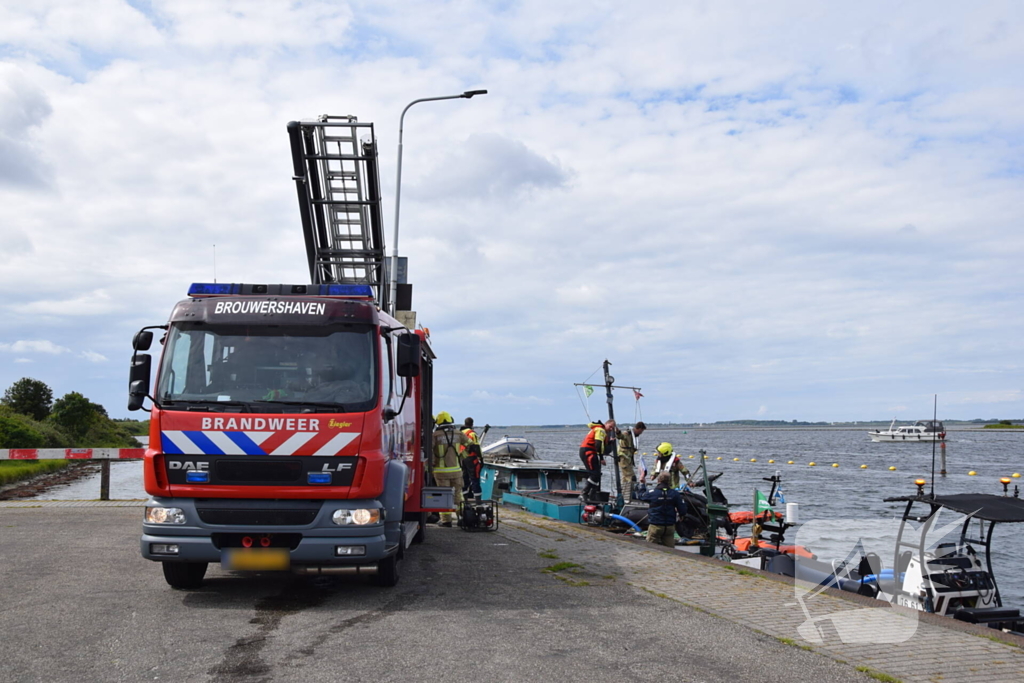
(665, 505)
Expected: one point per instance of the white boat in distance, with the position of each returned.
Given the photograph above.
(922, 430)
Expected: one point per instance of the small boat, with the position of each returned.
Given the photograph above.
(513, 474)
(509, 448)
(927, 431)
(951, 577)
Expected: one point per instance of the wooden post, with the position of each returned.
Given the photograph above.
(942, 448)
(104, 480)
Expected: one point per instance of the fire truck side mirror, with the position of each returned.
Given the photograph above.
(142, 341)
(138, 380)
(408, 355)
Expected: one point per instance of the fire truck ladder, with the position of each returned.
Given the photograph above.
(338, 185)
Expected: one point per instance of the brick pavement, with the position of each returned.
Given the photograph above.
(860, 632)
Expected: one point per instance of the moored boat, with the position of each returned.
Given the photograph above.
(951, 575)
(543, 487)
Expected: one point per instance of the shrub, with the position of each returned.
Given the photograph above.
(18, 433)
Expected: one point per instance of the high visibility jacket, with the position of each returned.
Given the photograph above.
(595, 439)
(447, 442)
(473, 441)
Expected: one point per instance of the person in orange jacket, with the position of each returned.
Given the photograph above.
(592, 451)
(472, 461)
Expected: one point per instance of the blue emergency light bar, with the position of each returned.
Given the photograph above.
(199, 289)
(318, 477)
(197, 477)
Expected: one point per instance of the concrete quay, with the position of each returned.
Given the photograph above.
(79, 603)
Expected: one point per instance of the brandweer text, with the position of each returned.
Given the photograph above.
(302, 424)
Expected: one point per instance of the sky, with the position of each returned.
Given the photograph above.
(785, 211)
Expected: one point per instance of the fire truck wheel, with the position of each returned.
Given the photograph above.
(387, 571)
(184, 574)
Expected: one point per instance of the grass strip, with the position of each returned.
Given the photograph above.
(17, 470)
(878, 675)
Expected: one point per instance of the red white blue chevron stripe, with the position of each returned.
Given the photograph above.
(255, 443)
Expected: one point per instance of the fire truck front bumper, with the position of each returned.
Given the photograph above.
(320, 543)
(310, 551)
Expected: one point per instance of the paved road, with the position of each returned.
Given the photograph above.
(78, 603)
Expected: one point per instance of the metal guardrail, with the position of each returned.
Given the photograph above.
(104, 455)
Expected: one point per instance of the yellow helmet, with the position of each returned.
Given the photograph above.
(665, 448)
(444, 417)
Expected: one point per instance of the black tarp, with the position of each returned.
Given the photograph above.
(985, 506)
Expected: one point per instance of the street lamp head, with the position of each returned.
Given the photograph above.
(470, 93)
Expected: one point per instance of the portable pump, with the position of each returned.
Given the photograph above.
(479, 515)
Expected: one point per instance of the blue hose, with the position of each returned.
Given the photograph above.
(627, 521)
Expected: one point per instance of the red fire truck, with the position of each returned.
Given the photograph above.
(291, 424)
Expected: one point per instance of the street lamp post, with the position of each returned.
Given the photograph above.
(398, 187)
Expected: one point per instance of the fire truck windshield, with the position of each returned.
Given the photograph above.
(270, 366)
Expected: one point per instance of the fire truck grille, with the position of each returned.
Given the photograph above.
(249, 517)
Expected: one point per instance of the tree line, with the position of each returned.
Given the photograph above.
(31, 418)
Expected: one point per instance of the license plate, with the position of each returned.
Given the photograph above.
(255, 559)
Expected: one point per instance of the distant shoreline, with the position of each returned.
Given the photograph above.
(652, 427)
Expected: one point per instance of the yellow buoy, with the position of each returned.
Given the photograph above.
(691, 457)
(835, 464)
(892, 469)
(789, 462)
(771, 461)
(735, 459)
(753, 460)
(863, 467)
(718, 458)
(705, 457)
(971, 473)
(811, 464)
(1015, 475)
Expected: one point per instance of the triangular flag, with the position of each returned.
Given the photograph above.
(638, 395)
(588, 390)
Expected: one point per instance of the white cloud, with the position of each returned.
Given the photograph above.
(93, 357)
(23, 360)
(34, 346)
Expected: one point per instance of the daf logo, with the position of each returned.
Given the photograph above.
(337, 468)
(187, 465)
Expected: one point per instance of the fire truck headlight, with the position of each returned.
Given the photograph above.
(358, 517)
(159, 515)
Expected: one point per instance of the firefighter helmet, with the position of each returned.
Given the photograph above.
(444, 417)
(665, 448)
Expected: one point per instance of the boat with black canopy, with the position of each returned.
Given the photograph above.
(941, 566)
(952, 577)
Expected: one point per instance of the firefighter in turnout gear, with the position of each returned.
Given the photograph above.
(627, 453)
(668, 462)
(592, 455)
(448, 441)
(472, 462)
